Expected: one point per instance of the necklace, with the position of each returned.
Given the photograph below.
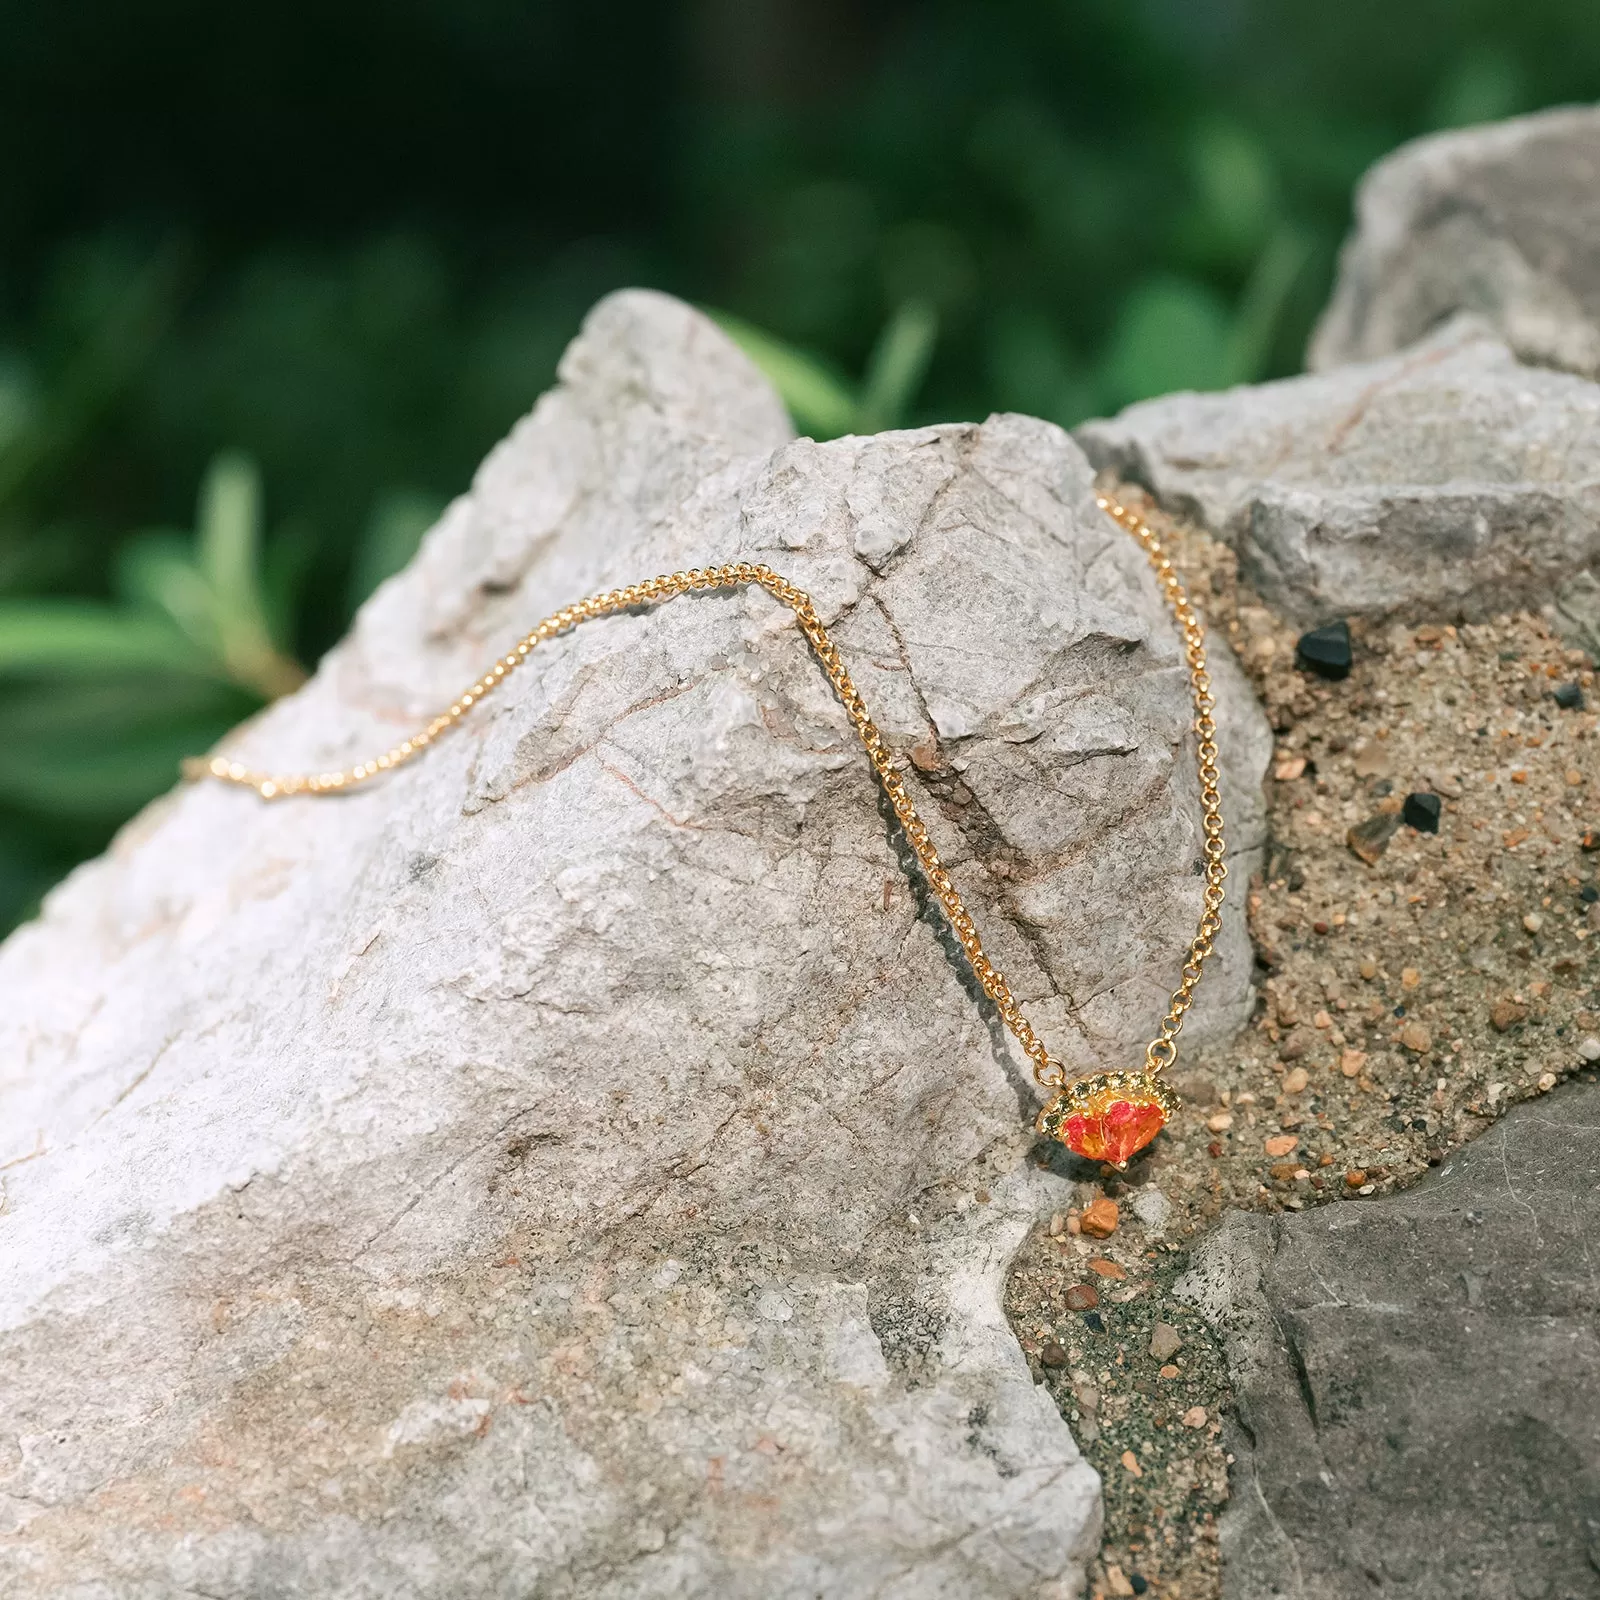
(1106, 1116)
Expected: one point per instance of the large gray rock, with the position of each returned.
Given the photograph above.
(578, 1165)
(1418, 1378)
(1447, 480)
(1501, 220)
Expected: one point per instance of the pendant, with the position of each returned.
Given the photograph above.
(1110, 1117)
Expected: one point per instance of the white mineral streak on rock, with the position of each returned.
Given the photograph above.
(553, 1169)
(1448, 479)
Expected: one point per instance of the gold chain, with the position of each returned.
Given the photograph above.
(1159, 1053)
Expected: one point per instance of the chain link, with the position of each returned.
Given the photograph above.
(1159, 1053)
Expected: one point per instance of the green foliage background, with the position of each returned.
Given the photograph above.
(273, 279)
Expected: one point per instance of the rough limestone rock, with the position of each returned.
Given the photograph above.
(1418, 1377)
(579, 1166)
(1448, 480)
(1500, 220)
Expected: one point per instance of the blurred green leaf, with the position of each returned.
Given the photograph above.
(1236, 191)
(111, 350)
(82, 638)
(1259, 314)
(820, 401)
(391, 538)
(898, 365)
(1171, 333)
(228, 543)
(1484, 85)
(93, 752)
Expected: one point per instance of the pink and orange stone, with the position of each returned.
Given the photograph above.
(1110, 1117)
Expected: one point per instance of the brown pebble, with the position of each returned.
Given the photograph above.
(1416, 1038)
(1505, 1015)
(1351, 1063)
(925, 756)
(1356, 1178)
(1409, 977)
(1220, 1122)
(1165, 1341)
(1284, 1169)
(1106, 1269)
(1131, 1462)
(1052, 1355)
(1590, 840)
(1194, 1417)
(1369, 968)
(1295, 1080)
(1371, 838)
(1169, 1371)
(1324, 1160)
(1099, 1218)
(1280, 1144)
(1082, 1297)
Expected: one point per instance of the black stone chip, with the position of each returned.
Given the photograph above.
(1421, 811)
(1568, 696)
(1326, 650)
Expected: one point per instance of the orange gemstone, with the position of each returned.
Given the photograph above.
(1111, 1117)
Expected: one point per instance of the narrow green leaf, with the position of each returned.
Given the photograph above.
(819, 400)
(897, 367)
(158, 571)
(83, 638)
(229, 535)
(1261, 306)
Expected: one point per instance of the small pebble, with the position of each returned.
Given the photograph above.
(1169, 1371)
(1371, 838)
(1351, 1062)
(1295, 1080)
(1288, 771)
(1568, 696)
(1106, 1269)
(1416, 1038)
(1052, 1355)
(1326, 651)
(1082, 1297)
(1356, 1178)
(1220, 1122)
(1281, 1144)
(1369, 968)
(1421, 811)
(1409, 977)
(1589, 1048)
(1194, 1417)
(1533, 922)
(1547, 1081)
(1131, 1462)
(1506, 1014)
(1165, 1341)
(1099, 1218)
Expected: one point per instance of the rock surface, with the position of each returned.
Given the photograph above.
(1498, 220)
(1447, 481)
(1418, 1377)
(578, 1165)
